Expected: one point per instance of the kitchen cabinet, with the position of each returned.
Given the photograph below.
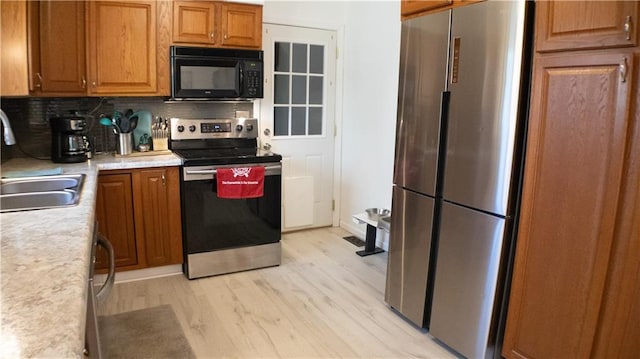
(99, 48)
(217, 24)
(13, 47)
(571, 25)
(416, 8)
(576, 281)
(58, 65)
(114, 212)
(138, 210)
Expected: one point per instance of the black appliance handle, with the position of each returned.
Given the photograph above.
(213, 171)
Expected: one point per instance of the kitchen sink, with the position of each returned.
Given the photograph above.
(30, 193)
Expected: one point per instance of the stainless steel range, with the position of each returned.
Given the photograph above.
(222, 235)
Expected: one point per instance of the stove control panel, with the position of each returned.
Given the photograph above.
(197, 129)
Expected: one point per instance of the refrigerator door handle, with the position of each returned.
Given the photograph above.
(442, 155)
(455, 60)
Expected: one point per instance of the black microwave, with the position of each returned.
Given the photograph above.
(202, 73)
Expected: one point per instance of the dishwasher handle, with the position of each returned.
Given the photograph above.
(104, 291)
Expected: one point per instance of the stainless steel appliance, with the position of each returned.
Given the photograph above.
(69, 141)
(93, 346)
(202, 73)
(461, 105)
(222, 235)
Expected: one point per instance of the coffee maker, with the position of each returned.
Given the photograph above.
(69, 141)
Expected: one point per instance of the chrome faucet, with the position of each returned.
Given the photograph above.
(9, 139)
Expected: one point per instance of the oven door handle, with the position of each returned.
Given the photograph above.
(213, 171)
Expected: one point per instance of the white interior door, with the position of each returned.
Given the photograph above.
(298, 119)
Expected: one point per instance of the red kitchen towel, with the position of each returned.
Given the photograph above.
(240, 182)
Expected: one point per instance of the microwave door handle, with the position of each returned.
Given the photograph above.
(241, 89)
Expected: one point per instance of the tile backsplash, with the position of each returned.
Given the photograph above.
(29, 118)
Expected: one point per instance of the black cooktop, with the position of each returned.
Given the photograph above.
(226, 156)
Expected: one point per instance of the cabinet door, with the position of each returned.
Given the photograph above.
(13, 46)
(122, 47)
(408, 7)
(566, 25)
(62, 47)
(193, 22)
(241, 25)
(114, 212)
(157, 204)
(578, 128)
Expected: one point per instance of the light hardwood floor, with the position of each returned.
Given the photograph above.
(324, 301)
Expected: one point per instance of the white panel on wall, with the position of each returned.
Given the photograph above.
(314, 169)
(298, 202)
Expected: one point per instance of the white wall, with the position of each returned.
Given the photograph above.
(369, 45)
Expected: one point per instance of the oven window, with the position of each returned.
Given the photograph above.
(212, 223)
(207, 78)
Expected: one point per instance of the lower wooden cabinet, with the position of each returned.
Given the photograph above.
(139, 212)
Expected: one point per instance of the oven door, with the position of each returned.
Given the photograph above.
(202, 78)
(237, 226)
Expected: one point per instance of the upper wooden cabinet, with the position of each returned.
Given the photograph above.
(416, 8)
(571, 25)
(218, 24)
(13, 45)
(58, 40)
(122, 47)
(241, 25)
(194, 22)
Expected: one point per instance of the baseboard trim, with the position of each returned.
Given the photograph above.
(141, 274)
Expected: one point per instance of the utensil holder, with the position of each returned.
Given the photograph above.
(125, 143)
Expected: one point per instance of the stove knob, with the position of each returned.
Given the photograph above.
(249, 127)
(192, 128)
(180, 128)
(238, 128)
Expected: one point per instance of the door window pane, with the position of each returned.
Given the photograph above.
(315, 90)
(281, 121)
(316, 59)
(299, 90)
(298, 121)
(281, 90)
(315, 120)
(300, 58)
(282, 50)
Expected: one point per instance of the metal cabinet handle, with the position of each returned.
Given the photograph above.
(211, 35)
(225, 36)
(623, 70)
(39, 84)
(164, 180)
(627, 27)
(104, 291)
(84, 82)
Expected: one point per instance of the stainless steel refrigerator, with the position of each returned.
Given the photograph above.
(461, 114)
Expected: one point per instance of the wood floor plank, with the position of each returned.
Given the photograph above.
(323, 301)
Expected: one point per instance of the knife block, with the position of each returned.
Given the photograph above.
(160, 144)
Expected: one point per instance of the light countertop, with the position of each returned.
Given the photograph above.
(44, 264)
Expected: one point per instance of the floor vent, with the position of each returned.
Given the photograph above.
(354, 240)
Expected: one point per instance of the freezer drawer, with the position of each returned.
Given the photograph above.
(409, 250)
(469, 249)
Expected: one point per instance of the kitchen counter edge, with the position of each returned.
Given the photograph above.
(44, 263)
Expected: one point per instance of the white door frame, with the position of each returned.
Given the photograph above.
(339, 86)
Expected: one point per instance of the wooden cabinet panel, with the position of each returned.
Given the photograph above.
(139, 212)
(157, 215)
(578, 130)
(241, 25)
(62, 52)
(566, 25)
(194, 21)
(122, 47)
(14, 76)
(408, 7)
(114, 212)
